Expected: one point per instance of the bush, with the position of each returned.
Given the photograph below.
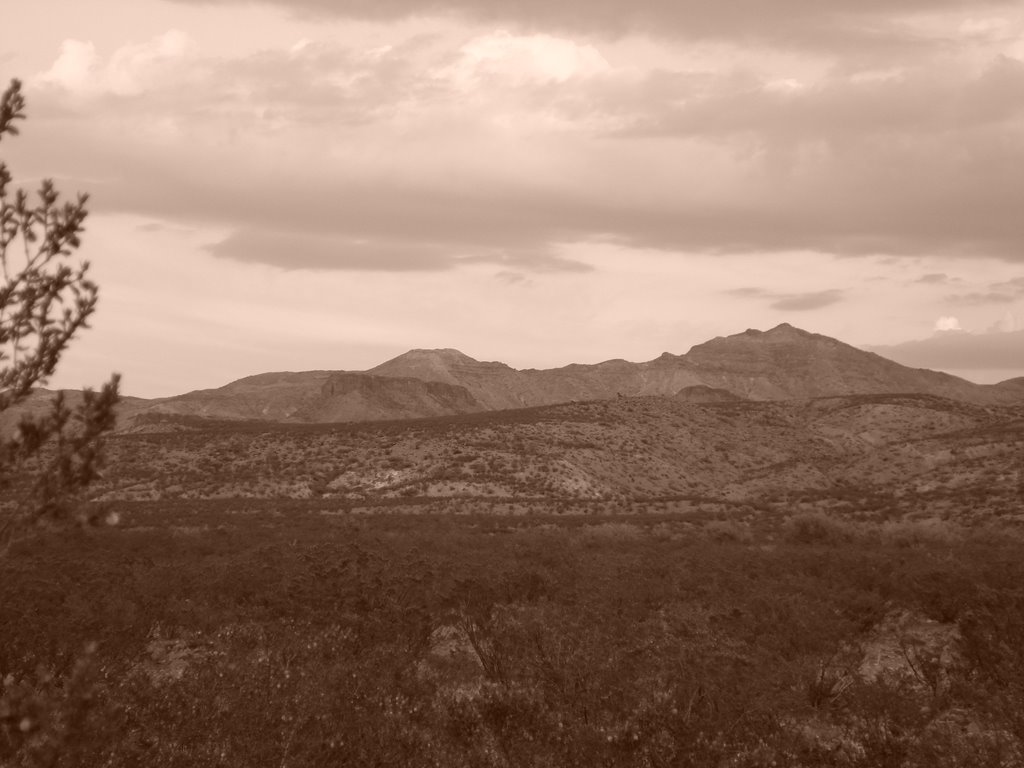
(728, 531)
(818, 528)
(913, 533)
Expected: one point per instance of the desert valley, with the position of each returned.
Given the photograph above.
(775, 549)
(483, 384)
(759, 418)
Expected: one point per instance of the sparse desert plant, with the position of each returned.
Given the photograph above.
(727, 531)
(46, 720)
(610, 532)
(818, 528)
(910, 533)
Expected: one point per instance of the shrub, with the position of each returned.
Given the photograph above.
(817, 528)
(728, 531)
(912, 533)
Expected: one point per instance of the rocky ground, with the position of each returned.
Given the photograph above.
(871, 457)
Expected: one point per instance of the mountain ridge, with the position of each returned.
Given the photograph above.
(782, 363)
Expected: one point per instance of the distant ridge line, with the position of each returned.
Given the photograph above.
(782, 363)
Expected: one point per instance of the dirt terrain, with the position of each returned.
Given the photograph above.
(866, 456)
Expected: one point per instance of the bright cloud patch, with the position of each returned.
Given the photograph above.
(130, 70)
(521, 59)
(74, 67)
(947, 323)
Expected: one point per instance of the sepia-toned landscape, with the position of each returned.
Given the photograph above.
(799, 567)
(511, 384)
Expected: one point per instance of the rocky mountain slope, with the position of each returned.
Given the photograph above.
(1012, 388)
(780, 364)
(40, 402)
(314, 396)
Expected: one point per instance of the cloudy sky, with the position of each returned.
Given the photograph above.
(299, 184)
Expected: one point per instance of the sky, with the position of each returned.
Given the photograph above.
(324, 184)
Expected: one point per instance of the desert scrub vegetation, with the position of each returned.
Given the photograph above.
(49, 455)
(818, 528)
(231, 636)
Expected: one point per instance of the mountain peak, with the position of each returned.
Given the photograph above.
(426, 364)
(752, 338)
(446, 354)
(781, 363)
(783, 331)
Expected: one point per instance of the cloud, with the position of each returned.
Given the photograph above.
(73, 68)
(301, 250)
(981, 298)
(1007, 323)
(512, 278)
(959, 350)
(792, 302)
(130, 70)
(926, 96)
(524, 58)
(918, 163)
(502, 148)
(807, 301)
(1004, 292)
(1015, 286)
(933, 278)
(793, 23)
(947, 323)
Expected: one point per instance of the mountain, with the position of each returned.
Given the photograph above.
(787, 362)
(39, 402)
(312, 396)
(701, 393)
(360, 397)
(265, 396)
(783, 363)
(493, 385)
(1013, 388)
(433, 365)
(780, 364)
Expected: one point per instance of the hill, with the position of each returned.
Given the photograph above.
(534, 571)
(701, 393)
(889, 455)
(788, 362)
(780, 364)
(308, 397)
(783, 363)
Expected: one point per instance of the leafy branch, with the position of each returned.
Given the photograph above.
(44, 302)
